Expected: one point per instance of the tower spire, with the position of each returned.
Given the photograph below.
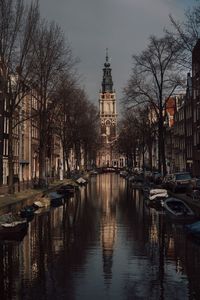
(106, 54)
(107, 83)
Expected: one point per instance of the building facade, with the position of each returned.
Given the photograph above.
(107, 155)
(26, 144)
(189, 125)
(179, 136)
(196, 107)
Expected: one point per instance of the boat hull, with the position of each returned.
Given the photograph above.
(16, 233)
(178, 210)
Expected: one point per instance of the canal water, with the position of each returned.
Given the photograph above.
(104, 244)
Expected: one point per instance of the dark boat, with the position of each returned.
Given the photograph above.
(66, 190)
(56, 199)
(193, 229)
(177, 209)
(28, 211)
(12, 227)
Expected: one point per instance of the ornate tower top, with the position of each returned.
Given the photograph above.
(107, 83)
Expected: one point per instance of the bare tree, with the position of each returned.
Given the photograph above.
(128, 138)
(154, 79)
(80, 123)
(62, 118)
(147, 134)
(186, 34)
(52, 56)
(77, 122)
(89, 133)
(17, 26)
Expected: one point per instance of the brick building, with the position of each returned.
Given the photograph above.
(196, 107)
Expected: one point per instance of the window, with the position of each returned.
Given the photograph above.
(6, 124)
(5, 147)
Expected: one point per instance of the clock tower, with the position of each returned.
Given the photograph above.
(108, 119)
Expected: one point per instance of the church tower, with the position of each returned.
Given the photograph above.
(108, 119)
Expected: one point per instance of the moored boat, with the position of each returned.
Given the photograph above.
(56, 199)
(81, 181)
(67, 189)
(156, 197)
(43, 202)
(12, 227)
(157, 191)
(158, 194)
(28, 211)
(193, 228)
(177, 209)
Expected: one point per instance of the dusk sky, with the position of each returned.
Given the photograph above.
(122, 26)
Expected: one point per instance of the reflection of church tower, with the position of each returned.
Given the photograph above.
(108, 118)
(108, 226)
(108, 232)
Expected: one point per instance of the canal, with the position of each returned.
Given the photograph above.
(103, 244)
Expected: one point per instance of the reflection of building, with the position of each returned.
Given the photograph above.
(108, 223)
(107, 155)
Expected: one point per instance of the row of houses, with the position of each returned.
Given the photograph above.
(26, 144)
(182, 124)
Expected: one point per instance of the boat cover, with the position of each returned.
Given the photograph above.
(160, 195)
(81, 180)
(157, 191)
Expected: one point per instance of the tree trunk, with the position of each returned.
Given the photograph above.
(78, 154)
(68, 167)
(41, 165)
(150, 155)
(42, 156)
(134, 158)
(10, 159)
(64, 159)
(162, 164)
(143, 158)
(85, 158)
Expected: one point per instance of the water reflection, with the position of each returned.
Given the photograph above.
(105, 244)
(108, 195)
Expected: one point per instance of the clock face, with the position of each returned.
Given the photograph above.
(108, 123)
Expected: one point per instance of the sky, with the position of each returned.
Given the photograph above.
(122, 26)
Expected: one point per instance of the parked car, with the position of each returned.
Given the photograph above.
(180, 181)
(196, 183)
(194, 195)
